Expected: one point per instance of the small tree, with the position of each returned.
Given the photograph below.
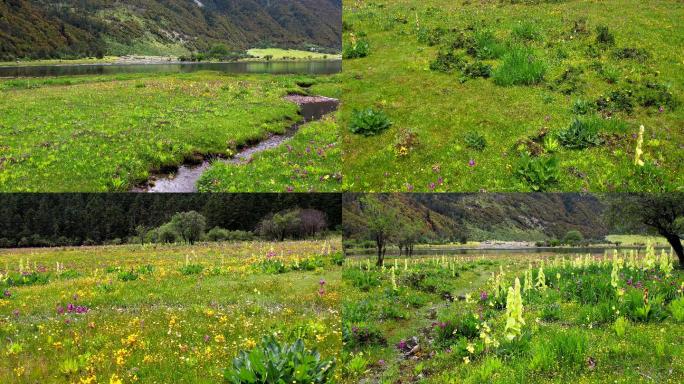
(312, 222)
(280, 225)
(408, 235)
(189, 225)
(573, 237)
(166, 234)
(141, 231)
(381, 221)
(660, 213)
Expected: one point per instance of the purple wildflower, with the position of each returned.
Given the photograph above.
(471, 163)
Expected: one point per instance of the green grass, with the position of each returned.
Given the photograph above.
(90, 60)
(106, 133)
(148, 321)
(638, 240)
(405, 37)
(282, 54)
(569, 333)
(309, 162)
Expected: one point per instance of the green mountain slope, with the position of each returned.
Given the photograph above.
(489, 216)
(77, 28)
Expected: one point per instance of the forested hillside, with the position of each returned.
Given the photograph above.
(40, 29)
(488, 216)
(102, 217)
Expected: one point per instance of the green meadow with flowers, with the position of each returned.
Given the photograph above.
(510, 95)
(112, 132)
(167, 313)
(516, 318)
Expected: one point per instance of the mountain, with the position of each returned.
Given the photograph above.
(513, 216)
(77, 28)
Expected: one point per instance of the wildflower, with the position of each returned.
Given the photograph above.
(19, 371)
(470, 348)
(7, 293)
(440, 180)
(431, 186)
(381, 362)
(483, 296)
(471, 163)
(289, 188)
(115, 379)
(466, 360)
(638, 152)
(321, 282)
(409, 187)
(219, 338)
(514, 311)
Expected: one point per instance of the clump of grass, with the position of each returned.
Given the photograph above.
(581, 107)
(526, 30)
(561, 351)
(477, 69)
(519, 67)
(475, 141)
(604, 36)
(357, 48)
(369, 122)
(484, 45)
(570, 81)
(616, 101)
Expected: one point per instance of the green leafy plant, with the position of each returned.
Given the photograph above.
(580, 134)
(275, 363)
(677, 309)
(191, 269)
(604, 36)
(369, 122)
(475, 141)
(540, 173)
(356, 49)
(447, 61)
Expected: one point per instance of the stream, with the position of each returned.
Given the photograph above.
(184, 179)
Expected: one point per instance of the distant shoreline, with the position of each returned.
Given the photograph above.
(278, 55)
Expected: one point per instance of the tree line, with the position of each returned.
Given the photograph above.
(28, 220)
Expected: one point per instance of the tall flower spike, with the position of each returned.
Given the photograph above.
(514, 312)
(638, 152)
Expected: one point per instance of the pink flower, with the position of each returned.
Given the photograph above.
(471, 163)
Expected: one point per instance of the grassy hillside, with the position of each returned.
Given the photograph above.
(70, 29)
(489, 216)
(484, 95)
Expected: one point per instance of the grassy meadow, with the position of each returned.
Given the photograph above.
(109, 133)
(513, 95)
(514, 318)
(161, 314)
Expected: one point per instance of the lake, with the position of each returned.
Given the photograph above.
(322, 67)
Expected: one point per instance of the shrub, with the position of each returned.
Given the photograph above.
(217, 234)
(271, 266)
(129, 275)
(616, 101)
(519, 67)
(638, 54)
(573, 237)
(356, 49)
(540, 173)
(431, 37)
(475, 141)
(604, 36)
(477, 69)
(275, 363)
(447, 62)
(653, 94)
(580, 134)
(358, 335)
(369, 122)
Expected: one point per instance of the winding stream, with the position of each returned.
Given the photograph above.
(184, 179)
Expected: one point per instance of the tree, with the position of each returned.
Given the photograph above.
(280, 225)
(312, 222)
(659, 213)
(408, 235)
(189, 225)
(141, 231)
(573, 237)
(381, 221)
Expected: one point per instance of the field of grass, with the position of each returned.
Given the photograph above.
(461, 320)
(625, 240)
(90, 60)
(161, 314)
(107, 133)
(290, 54)
(483, 95)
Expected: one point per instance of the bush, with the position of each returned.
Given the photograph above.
(275, 363)
(217, 234)
(191, 269)
(475, 141)
(519, 67)
(477, 69)
(357, 49)
(538, 172)
(369, 122)
(447, 62)
(573, 237)
(580, 134)
(616, 101)
(484, 45)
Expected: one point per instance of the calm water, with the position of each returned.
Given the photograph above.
(494, 251)
(276, 67)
